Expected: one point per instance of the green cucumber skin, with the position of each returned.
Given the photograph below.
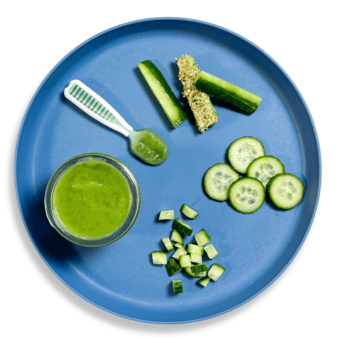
(270, 196)
(235, 183)
(181, 227)
(221, 89)
(169, 102)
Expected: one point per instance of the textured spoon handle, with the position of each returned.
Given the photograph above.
(96, 107)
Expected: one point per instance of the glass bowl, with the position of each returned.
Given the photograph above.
(52, 214)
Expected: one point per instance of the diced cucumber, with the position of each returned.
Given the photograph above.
(167, 243)
(204, 281)
(189, 212)
(159, 257)
(193, 249)
(218, 179)
(264, 168)
(199, 268)
(166, 215)
(200, 104)
(184, 261)
(221, 89)
(243, 151)
(286, 191)
(178, 245)
(172, 267)
(163, 93)
(247, 195)
(215, 272)
(176, 237)
(181, 227)
(189, 272)
(178, 253)
(177, 286)
(202, 237)
(210, 251)
(195, 258)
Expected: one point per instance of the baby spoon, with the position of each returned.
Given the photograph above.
(145, 144)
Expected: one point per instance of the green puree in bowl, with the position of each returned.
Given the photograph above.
(92, 199)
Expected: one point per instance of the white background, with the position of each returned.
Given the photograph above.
(303, 37)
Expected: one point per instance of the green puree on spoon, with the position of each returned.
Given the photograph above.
(145, 144)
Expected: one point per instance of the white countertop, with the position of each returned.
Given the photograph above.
(303, 37)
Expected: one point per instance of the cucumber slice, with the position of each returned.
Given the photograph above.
(210, 251)
(199, 268)
(193, 249)
(201, 106)
(159, 257)
(184, 261)
(167, 243)
(215, 272)
(243, 151)
(221, 89)
(218, 179)
(163, 93)
(176, 237)
(264, 168)
(178, 253)
(172, 267)
(189, 212)
(286, 191)
(247, 195)
(189, 272)
(204, 281)
(166, 215)
(202, 237)
(195, 258)
(181, 227)
(178, 245)
(177, 286)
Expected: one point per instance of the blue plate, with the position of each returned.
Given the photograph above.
(254, 249)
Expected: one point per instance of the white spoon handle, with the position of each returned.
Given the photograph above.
(96, 107)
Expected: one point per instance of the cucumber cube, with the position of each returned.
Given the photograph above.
(215, 272)
(159, 257)
(199, 268)
(193, 249)
(179, 252)
(176, 237)
(202, 237)
(184, 261)
(204, 281)
(211, 251)
(189, 212)
(172, 267)
(166, 215)
(177, 286)
(196, 258)
(167, 243)
(181, 227)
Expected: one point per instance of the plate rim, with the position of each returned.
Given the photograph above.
(204, 23)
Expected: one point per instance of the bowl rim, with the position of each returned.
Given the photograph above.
(51, 211)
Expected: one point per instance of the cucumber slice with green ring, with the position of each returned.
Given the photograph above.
(264, 168)
(243, 151)
(218, 179)
(286, 191)
(163, 93)
(247, 195)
